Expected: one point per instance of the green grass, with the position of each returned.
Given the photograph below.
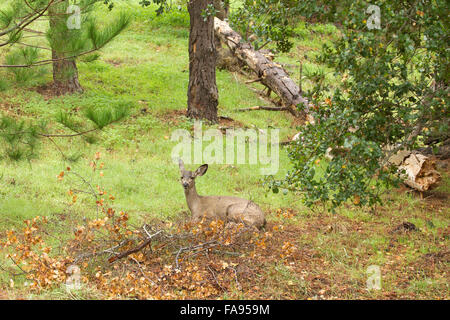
(145, 67)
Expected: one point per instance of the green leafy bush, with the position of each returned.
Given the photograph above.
(393, 93)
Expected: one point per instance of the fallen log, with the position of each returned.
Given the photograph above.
(419, 170)
(272, 75)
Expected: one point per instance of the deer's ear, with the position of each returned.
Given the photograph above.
(181, 165)
(201, 170)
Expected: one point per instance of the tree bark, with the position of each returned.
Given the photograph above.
(271, 74)
(65, 72)
(202, 92)
(65, 76)
(223, 54)
(222, 8)
(419, 170)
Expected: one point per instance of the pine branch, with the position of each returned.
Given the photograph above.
(25, 23)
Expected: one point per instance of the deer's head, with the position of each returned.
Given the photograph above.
(188, 177)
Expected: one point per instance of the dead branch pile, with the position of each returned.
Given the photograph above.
(155, 261)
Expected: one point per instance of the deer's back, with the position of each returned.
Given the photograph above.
(234, 209)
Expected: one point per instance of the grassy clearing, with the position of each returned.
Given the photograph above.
(146, 69)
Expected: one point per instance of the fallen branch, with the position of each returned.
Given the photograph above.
(252, 81)
(203, 246)
(272, 75)
(264, 108)
(226, 118)
(106, 251)
(144, 244)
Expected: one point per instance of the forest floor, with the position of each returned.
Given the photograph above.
(307, 253)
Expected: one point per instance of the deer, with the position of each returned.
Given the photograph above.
(225, 208)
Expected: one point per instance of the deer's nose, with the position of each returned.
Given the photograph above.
(185, 184)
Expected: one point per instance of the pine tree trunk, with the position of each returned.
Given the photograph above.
(222, 8)
(202, 92)
(65, 72)
(65, 76)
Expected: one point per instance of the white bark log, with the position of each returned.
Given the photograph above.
(419, 170)
(271, 74)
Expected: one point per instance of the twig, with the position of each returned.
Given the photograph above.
(263, 108)
(12, 273)
(236, 278)
(94, 254)
(254, 80)
(205, 245)
(215, 278)
(142, 271)
(17, 265)
(226, 118)
(147, 241)
(236, 254)
(265, 44)
(93, 193)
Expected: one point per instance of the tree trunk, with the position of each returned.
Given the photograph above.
(202, 92)
(222, 8)
(65, 72)
(65, 76)
(268, 72)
